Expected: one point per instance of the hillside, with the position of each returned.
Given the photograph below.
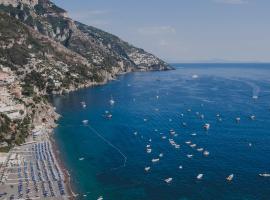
(43, 51)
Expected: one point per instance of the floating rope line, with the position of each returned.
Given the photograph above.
(123, 165)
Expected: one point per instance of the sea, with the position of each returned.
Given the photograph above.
(108, 155)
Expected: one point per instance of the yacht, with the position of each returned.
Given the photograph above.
(230, 178)
(168, 180)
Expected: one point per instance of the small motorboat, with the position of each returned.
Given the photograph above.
(168, 180)
(148, 150)
(195, 76)
(109, 116)
(148, 146)
(180, 167)
(160, 155)
(147, 169)
(206, 153)
(194, 134)
(230, 177)
(164, 137)
(100, 198)
(189, 110)
(193, 145)
(237, 119)
(154, 160)
(200, 149)
(85, 122)
(252, 117)
(206, 127)
(145, 120)
(264, 175)
(184, 124)
(135, 133)
(81, 159)
(177, 146)
(112, 102)
(255, 97)
(200, 176)
(202, 116)
(83, 104)
(188, 142)
(189, 155)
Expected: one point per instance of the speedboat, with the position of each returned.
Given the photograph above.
(237, 119)
(100, 198)
(193, 145)
(85, 121)
(112, 102)
(168, 180)
(155, 160)
(200, 149)
(200, 176)
(148, 146)
(188, 142)
(148, 150)
(146, 169)
(206, 127)
(264, 175)
(230, 178)
(206, 153)
(189, 155)
(252, 117)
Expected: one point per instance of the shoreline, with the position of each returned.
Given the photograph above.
(60, 161)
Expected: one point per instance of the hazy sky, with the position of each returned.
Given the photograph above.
(183, 30)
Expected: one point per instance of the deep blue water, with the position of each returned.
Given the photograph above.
(242, 149)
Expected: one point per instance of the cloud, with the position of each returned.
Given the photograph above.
(156, 30)
(235, 2)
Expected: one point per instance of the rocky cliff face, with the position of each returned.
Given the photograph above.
(67, 54)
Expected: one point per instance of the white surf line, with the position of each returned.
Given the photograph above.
(113, 146)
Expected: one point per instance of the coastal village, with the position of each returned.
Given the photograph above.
(28, 170)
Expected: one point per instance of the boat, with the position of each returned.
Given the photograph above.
(264, 175)
(206, 127)
(135, 133)
(83, 104)
(195, 76)
(100, 198)
(164, 137)
(150, 140)
(160, 155)
(81, 159)
(148, 146)
(85, 121)
(188, 142)
(206, 153)
(109, 116)
(237, 119)
(145, 120)
(255, 97)
(200, 176)
(180, 167)
(148, 150)
(230, 178)
(177, 146)
(184, 124)
(147, 169)
(193, 145)
(157, 97)
(200, 149)
(168, 180)
(252, 117)
(112, 102)
(194, 134)
(202, 116)
(155, 160)
(189, 110)
(189, 155)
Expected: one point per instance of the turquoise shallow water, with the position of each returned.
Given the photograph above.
(226, 89)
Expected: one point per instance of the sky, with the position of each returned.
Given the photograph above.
(183, 30)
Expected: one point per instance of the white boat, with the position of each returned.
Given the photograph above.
(170, 120)
(148, 146)
(252, 117)
(237, 119)
(160, 155)
(193, 145)
(109, 116)
(145, 120)
(195, 76)
(188, 142)
(189, 110)
(180, 167)
(100, 198)
(157, 97)
(148, 150)
(83, 104)
(168, 180)
(200, 176)
(200, 149)
(264, 175)
(147, 169)
(184, 124)
(85, 121)
(112, 102)
(177, 146)
(155, 160)
(206, 153)
(206, 127)
(230, 178)
(202, 116)
(255, 97)
(135, 133)
(189, 155)
(81, 159)
(164, 137)
(194, 134)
